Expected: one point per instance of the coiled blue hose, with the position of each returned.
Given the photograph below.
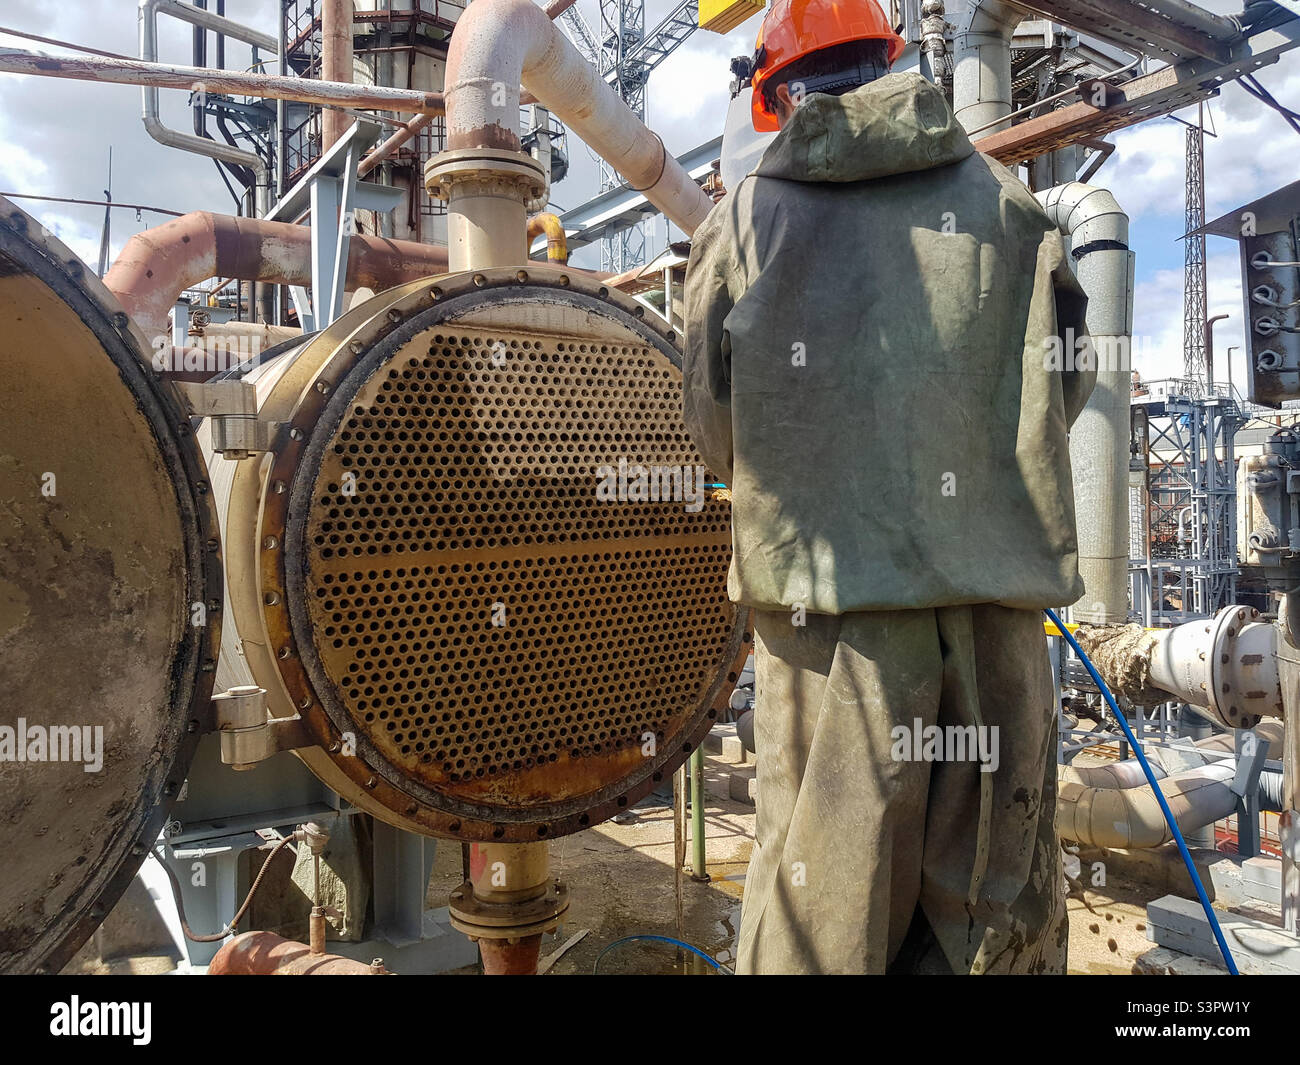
(1160, 795)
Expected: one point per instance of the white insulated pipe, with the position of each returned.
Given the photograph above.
(1132, 818)
(497, 44)
(1226, 664)
(1114, 806)
(981, 79)
(1164, 761)
(1099, 440)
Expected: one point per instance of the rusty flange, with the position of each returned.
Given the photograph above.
(480, 919)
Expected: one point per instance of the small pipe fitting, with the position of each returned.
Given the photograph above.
(557, 245)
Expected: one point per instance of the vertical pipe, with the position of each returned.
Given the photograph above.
(281, 145)
(484, 227)
(221, 38)
(509, 875)
(981, 81)
(336, 63)
(1099, 439)
(281, 134)
(699, 867)
(1193, 726)
(200, 53)
(679, 845)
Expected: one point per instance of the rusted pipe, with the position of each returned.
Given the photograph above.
(336, 63)
(499, 43)
(195, 79)
(383, 151)
(504, 958)
(266, 954)
(156, 266)
(316, 931)
(507, 903)
(379, 154)
(557, 244)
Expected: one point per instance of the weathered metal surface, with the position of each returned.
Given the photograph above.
(336, 63)
(156, 266)
(503, 958)
(266, 954)
(497, 44)
(1150, 96)
(1171, 29)
(110, 599)
(469, 422)
(196, 79)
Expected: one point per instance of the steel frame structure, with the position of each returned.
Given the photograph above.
(1192, 484)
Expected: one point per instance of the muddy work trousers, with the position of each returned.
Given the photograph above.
(881, 846)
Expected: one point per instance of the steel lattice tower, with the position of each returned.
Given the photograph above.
(622, 28)
(1194, 299)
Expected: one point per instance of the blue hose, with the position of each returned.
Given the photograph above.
(1160, 796)
(595, 969)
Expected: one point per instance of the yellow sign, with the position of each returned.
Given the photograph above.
(723, 16)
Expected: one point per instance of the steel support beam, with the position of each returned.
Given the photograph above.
(1149, 96)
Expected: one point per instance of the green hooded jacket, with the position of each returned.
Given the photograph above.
(870, 366)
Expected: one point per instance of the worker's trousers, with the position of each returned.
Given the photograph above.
(882, 844)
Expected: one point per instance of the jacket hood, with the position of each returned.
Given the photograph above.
(898, 124)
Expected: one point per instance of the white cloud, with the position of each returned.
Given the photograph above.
(1254, 153)
(1158, 320)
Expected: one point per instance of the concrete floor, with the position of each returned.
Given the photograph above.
(621, 880)
(621, 883)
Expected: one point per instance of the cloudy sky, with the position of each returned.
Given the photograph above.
(56, 137)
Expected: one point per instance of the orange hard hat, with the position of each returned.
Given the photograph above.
(793, 29)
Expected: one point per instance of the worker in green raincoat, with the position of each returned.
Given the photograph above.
(874, 322)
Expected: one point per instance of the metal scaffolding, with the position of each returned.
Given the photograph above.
(1190, 569)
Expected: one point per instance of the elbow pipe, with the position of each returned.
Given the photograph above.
(557, 245)
(1131, 818)
(148, 19)
(497, 44)
(1099, 439)
(1091, 217)
(1114, 806)
(156, 266)
(1116, 776)
(981, 85)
